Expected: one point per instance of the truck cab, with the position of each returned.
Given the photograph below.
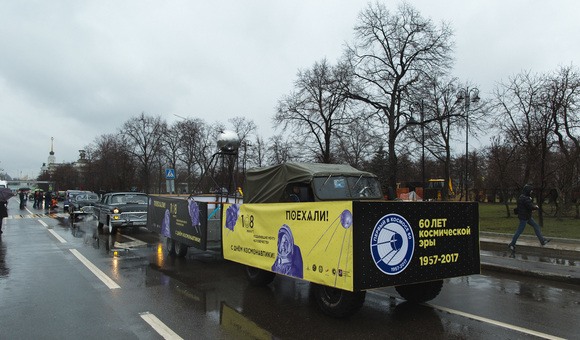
(310, 182)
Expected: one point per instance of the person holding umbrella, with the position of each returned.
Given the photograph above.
(5, 194)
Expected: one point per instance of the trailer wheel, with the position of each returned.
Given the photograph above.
(170, 245)
(420, 292)
(180, 249)
(336, 302)
(259, 277)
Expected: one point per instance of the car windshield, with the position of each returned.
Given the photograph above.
(75, 196)
(87, 197)
(347, 187)
(129, 199)
(92, 197)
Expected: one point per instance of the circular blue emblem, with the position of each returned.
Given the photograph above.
(392, 244)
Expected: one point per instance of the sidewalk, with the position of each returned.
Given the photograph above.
(558, 260)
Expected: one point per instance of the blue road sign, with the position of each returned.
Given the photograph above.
(169, 174)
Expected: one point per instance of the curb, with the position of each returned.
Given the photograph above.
(531, 273)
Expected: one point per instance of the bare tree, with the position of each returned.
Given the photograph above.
(110, 166)
(144, 135)
(560, 101)
(190, 132)
(440, 118)
(280, 150)
(244, 128)
(317, 110)
(172, 142)
(392, 54)
(258, 151)
(65, 177)
(525, 122)
(358, 143)
(501, 156)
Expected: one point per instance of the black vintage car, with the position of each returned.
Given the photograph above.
(121, 209)
(79, 204)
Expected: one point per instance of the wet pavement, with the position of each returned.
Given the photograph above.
(558, 260)
(203, 296)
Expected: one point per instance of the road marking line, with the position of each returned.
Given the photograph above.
(98, 273)
(49, 215)
(159, 326)
(58, 237)
(496, 323)
(131, 238)
(480, 318)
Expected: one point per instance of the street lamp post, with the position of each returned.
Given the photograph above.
(468, 96)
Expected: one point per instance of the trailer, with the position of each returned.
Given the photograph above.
(329, 225)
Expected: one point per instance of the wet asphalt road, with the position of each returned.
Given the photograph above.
(50, 289)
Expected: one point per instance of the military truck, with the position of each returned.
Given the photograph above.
(330, 225)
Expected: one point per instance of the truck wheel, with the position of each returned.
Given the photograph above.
(336, 302)
(170, 245)
(420, 292)
(180, 249)
(259, 277)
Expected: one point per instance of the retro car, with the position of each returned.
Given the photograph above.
(121, 209)
(79, 204)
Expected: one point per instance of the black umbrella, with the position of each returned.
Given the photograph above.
(5, 194)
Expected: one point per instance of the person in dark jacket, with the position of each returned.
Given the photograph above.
(22, 202)
(47, 200)
(37, 199)
(524, 211)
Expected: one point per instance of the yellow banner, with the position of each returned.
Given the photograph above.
(311, 241)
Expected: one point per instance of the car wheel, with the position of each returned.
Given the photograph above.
(336, 302)
(180, 249)
(420, 292)
(259, 277)
(170, 245)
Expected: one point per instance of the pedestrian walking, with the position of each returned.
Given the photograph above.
(524, 210)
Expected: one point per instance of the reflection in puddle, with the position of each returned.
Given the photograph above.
(552, 259)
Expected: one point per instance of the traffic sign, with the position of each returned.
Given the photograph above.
(170, 174)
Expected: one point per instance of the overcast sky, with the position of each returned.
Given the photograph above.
(75, 70)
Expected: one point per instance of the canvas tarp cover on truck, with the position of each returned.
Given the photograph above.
(267, 184)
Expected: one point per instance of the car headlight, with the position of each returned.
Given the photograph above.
(116, 211)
